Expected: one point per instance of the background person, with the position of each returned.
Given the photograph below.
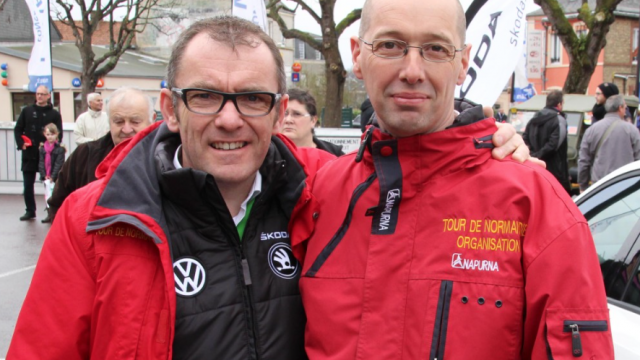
(30, 124)
(129, 111)
(546, 136)
(608, 144)
(603, 92)
(300, 118)
(404, 236)
(51, 159)
(92, 124)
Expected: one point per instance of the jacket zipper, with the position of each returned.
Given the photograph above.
(335, 240)
(575, 326)
(442, 320)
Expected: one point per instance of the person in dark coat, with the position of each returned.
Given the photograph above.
(603, 92)
(30, 124)
(301, 118)
(366, 114)
(51, 159)
(546, 136)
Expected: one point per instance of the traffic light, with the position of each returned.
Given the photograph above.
(4, 74)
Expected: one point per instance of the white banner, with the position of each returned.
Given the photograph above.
(535, 52)
(523, 90)
(252, 10)
(39, 67)
(496, 34)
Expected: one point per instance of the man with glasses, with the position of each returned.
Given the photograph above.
(30, 125)
(603, 92)
(421, 245)
(181, 249)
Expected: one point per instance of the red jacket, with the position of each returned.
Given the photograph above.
(429, 248)
(104, 285)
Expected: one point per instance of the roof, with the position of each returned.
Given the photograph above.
(67, 56)
(627, 8)
(16, 23)
(572, 103)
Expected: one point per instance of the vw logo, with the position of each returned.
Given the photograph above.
(282, 261)
(189, 276)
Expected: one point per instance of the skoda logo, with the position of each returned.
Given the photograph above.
(189, 276)
(282, 261)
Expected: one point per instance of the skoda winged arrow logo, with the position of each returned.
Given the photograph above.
(282, 261)
(189, 276)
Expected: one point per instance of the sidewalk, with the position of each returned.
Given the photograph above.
(20, 245)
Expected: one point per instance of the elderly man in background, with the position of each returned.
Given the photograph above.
(607, 144)
(129, 111)
(92, 124)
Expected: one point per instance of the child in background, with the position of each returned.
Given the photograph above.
(51, 158)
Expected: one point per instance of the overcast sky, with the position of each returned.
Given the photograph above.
(343, 7)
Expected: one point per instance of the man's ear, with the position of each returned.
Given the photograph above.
(168, 111)
(355, 55)
(462, 75)
(282, 107)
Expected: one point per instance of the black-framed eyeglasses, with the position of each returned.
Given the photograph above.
(396, 49)
(211, 102)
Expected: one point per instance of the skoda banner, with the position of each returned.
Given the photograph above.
(252, 10)
(39, 68)
(496, 32)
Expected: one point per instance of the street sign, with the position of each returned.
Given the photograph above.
(76, 82)
(296, 67)
(295, 77)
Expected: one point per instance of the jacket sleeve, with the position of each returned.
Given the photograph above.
(18, 130)
(564, 287)
(55, 167)
(58, 122)
(41, 168)
(55, 319)
(584, 161)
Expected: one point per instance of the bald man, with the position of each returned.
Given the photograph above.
(423, 246)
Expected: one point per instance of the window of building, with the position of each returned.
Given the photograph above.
(318, 55)
(77, 105)
(580, 29)
(634, 46)
(21, 100)
(556, 49)
(301, 49)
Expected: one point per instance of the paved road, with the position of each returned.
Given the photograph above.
(20, 244)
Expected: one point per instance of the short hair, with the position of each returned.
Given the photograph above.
(52, 128)
(461, 20)
(304, 97)
(554, 98)
(613, 103)
(92, 96)
(122, 93)
(43, 86)
(230, 31)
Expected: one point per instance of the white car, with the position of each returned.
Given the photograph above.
(612, 207)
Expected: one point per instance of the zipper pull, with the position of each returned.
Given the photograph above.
(247, 273)
(576, 342)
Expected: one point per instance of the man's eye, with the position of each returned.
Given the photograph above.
(388, 45)
(252, 98)
(435, 48)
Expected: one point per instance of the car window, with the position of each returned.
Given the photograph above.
(631, 271)
(613, 214)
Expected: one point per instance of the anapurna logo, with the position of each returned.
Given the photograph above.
(274, 235)
(282, 262)
(189, 276)
(385, 216)
(457, 262)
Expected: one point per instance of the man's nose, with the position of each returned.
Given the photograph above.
(229, 118)
(413, 71)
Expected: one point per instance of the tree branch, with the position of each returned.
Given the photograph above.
(352, 17)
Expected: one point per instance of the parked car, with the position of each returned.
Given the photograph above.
(612, 208)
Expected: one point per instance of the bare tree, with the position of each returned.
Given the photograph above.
(334, 68)
(137, 15)
(583, 50)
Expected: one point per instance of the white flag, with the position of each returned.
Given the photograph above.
(523, 90)
(252, 10)
(496, 34)
(39, 67)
